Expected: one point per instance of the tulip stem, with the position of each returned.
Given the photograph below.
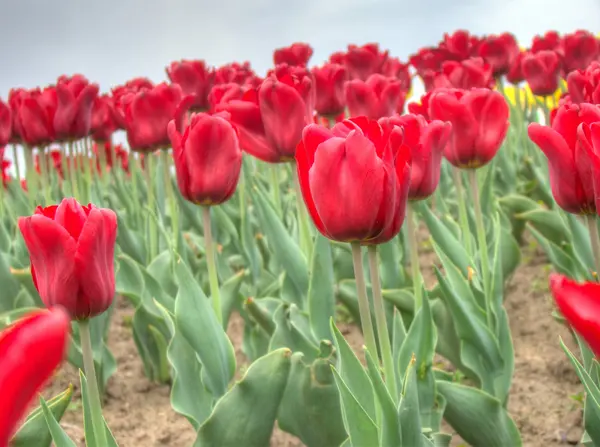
(92, 383)
(363, 302)
(153, 230)
(30, 174)
(45, 176)
(595, 240)
(87, 159)
(16, 160)
(172, 199)
(483, 249)
(414, 257)
(211, 263)
(275, 185)
(382, 329)
(101, 154)
(305, 236)
(71, 166)
(462, 210)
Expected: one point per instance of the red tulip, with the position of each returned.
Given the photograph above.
(354, 179)
(428, 60)
(467, 74)
(125, 91)
(56, 157)
(5, 124)
(550, 41)
(108, 148)
(460, 45)
(588, 141)
(339, 57)
(422, 107)
(541, 71)
(4, 167)
(15, 99)
(515, 73)
(579, 50)
(238, 73)
(296, 54)
(569, 163)
(73, 118)
(584, 85)
(329, 84)
(479, 120)
(426, 142)
(30, 351)
(376, 98)
(103, 118)
(270, 120)
(147, 115)
(207, 159)
(223, 93)
(194, 78)
(35, 116)
(363, 61)
(579, 303)
(500, 52)
(393, 68)
(72, 256)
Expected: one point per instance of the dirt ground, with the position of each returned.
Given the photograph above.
(541, 402)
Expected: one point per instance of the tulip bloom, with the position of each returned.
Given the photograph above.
(500, 52)
(354, 179)
(580, 49)
(147, 115)
(426, 142)
(73, 118)
(296, 54)
(579, 303)
(329, 84)
(71, 248)
(428, 60)
(515, 72)
(393, 68)
(103, 118)
(194, 78)
(223, 93)
(588, 141)
(15, 99)
(541, 71)
(570, 166)
(422, 107)
(5, 124)
(584, 85)
(35, 116)
(270, 120)
(207, 159)
(479, 120)
(30, 351)
(550, 41)
(238, 73)
(126, 91)
(375, 98)
(364, 61)
(460, 45)
(467, 74)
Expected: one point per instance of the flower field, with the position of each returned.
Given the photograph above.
(310, 257)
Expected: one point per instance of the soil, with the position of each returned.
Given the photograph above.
(542, 400)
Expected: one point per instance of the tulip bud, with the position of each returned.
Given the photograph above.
(35, 116)
(354, 179)
(31, 350)
(73, 118)
(569, 156)
(541, 71)
(71, 248)
(479, 120)
(329, 84)
(103, 123)
(207, 159)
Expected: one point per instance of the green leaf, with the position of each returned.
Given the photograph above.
(293, 333)
(10, 286)
(310, 408)
(321, 294)
(547, 222)
(494, 427)
(161, 270)
(409, 412)
(192, 311)
(230, 294)
(361, 428)
(35, 430)
(90, 438)
(582, 247)
(246, 414)
(284, 248)
(60, 438)
(353, 374)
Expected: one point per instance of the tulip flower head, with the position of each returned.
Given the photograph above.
(569, 163)
(30, 351)
(297, 54)
(104, 123)
(208, 159)
(579, 50)
(71, 248)
(500, 52)
(355, 179)
(75, 100)
(479, 120)
(579, 303)
(329, 84)
(6, 124)
(541, 71)
(375, 98)
(364, 61)
(195, 79)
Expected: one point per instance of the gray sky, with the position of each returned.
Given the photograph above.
(111, 41)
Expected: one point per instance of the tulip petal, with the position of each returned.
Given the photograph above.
(94, 262)
(71, 215)
(178, 158)
(52, 252)
(492, 115)
(31, 350)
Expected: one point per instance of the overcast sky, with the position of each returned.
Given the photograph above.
(111, 41)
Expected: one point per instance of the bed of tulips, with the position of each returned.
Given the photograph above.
(291, 200)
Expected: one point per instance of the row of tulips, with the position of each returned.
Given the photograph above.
(358, 180)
